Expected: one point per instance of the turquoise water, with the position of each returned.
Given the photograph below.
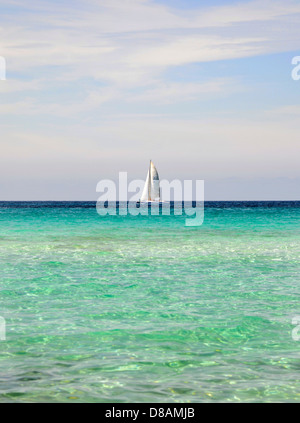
(144, 309)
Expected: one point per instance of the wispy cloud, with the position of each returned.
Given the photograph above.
(130, 44)
(160, 93)
(15, 85)
(168, 93)
(215, 147)
(291, 111)
(126, 41)
(87, 81)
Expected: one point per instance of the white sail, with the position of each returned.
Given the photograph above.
(151, 191)
(155, 191)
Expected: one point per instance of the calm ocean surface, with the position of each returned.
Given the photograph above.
(144, 309)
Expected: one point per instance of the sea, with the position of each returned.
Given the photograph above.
(123, 308)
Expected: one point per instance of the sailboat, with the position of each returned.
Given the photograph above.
(151, 191)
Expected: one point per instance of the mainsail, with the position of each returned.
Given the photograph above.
(151, 191)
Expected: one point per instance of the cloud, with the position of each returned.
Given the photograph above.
(285, 111)
(159, 93)
(186, 50)
(251, 11)
(15, 85)
(170, 93)
(73, 69)
(216, 147)
(31, 106)
(127, 45)
(125, 41)
(130, 44)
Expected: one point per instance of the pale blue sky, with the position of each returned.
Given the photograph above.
(203, 88)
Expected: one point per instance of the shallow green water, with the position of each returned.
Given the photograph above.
(144, 309)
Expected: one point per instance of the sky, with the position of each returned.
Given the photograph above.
(96, 87)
